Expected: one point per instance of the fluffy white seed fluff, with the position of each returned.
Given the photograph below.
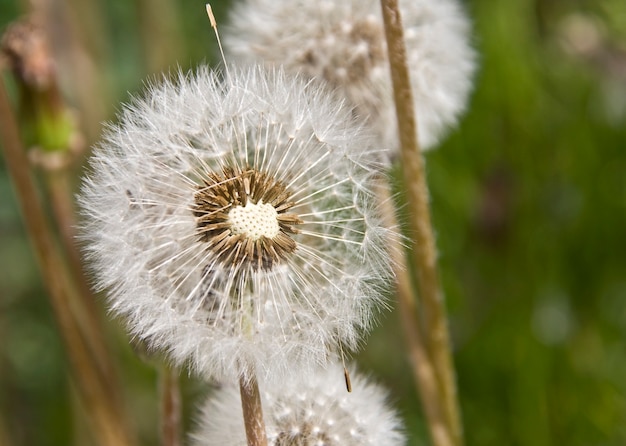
(315, 412)
(342, 41)
(232, 223)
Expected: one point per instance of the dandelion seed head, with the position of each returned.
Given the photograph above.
(317, 411)
(343, 42)
(236, 223)
(232, 223)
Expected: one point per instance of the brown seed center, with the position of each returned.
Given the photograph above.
(242, 216)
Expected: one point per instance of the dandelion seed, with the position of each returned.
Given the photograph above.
(343, 42)
(232, 223)
(316, 412)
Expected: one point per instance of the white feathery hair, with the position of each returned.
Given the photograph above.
(187, 296)
(317, 411)
(343, 42)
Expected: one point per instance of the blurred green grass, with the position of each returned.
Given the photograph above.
(529, 206)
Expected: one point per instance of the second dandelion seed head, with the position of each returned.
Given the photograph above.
(343, 43)
(349, 52)
(317, 411)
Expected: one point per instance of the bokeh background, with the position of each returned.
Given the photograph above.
(528, 201)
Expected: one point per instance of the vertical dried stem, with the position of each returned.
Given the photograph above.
(77, 37)
(4, 437)
(104, 413)
(51, 129)
(252, 412)
(158, 27)
(424, 373)
(170, 407)
(424, 251)
(60, 193)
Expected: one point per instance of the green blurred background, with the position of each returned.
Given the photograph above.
(529, 206)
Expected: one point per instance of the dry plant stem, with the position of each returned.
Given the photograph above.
(26, 44)
(58, 184)
(77, 36)
(170, 407)
(424, 251)
(252, 412)
(424, 374)
(106, 417)
(4, 437)
(158, 21)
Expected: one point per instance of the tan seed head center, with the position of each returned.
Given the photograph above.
(254, 220)
(243, 217)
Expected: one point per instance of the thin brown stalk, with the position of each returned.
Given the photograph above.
(4, 437)
(423, 371)
(423, 251)
(77, 40)
(105, 415)
(252, 412)
(60, 196)
(158, 27)
(56, 148)
(171, 411)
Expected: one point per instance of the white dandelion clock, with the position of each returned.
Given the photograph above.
(343, 42)
(231, 222)
(317, 411)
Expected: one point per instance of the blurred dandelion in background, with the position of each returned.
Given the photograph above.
(343, 42)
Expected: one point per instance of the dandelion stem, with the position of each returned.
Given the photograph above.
(423, 251)
(421, 363)
(60, 196)
(55, 145)
(252, 412)
(4, 436)
(158, 21)
(102, 410)
(84, 306)
(424, 373)
(170, 406)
